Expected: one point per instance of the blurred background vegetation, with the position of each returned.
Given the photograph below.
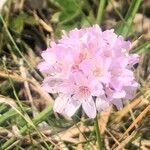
(26, 119)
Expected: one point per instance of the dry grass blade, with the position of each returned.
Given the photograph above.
(136, 121)
(34, 84)
(104, 116)
(81, 137)
(126, 141)
(37, 87)
(46, 26)
(73, 132)
(125, 110)
(106, 142)
(14, 76)
(2, 2)
(136, 42)
(4, 131)
(8, 101)
(131, 113)
(27, 88)
(111, 135)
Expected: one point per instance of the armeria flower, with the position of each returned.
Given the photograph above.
(91, 69)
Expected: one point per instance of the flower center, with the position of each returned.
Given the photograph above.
(85, 54)
(108, 53)
(84, 91)
(96, 71)
(75, 68)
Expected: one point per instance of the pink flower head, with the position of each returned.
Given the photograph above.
(91, 69)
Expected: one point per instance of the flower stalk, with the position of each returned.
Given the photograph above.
(98, 134)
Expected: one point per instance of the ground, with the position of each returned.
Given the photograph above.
(26, 117)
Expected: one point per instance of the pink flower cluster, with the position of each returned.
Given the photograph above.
(89, 68)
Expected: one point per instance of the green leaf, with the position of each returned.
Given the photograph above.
(55, 17)
(87, 21)
(67, 17)
(69, 10)
(17, 23)
(31, 20)
(68, 5)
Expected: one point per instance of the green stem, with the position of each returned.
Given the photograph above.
(100, 11)
(98, 135)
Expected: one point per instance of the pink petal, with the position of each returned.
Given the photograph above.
(97, 89)
(119, 94)
(60, 103)
(51, 84)
(44, 66)
(102, 103)
(133, 59)
(71, 107)
(118, 103)
(49, 57)
(131, 90)
(67, 106)
(89, 107)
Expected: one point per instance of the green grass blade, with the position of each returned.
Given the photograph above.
(16, 47)
(125, 27)
(39, 118)
(9, 114)
(100, 12)
(3, 108)
(143, 48)
(117, 11)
